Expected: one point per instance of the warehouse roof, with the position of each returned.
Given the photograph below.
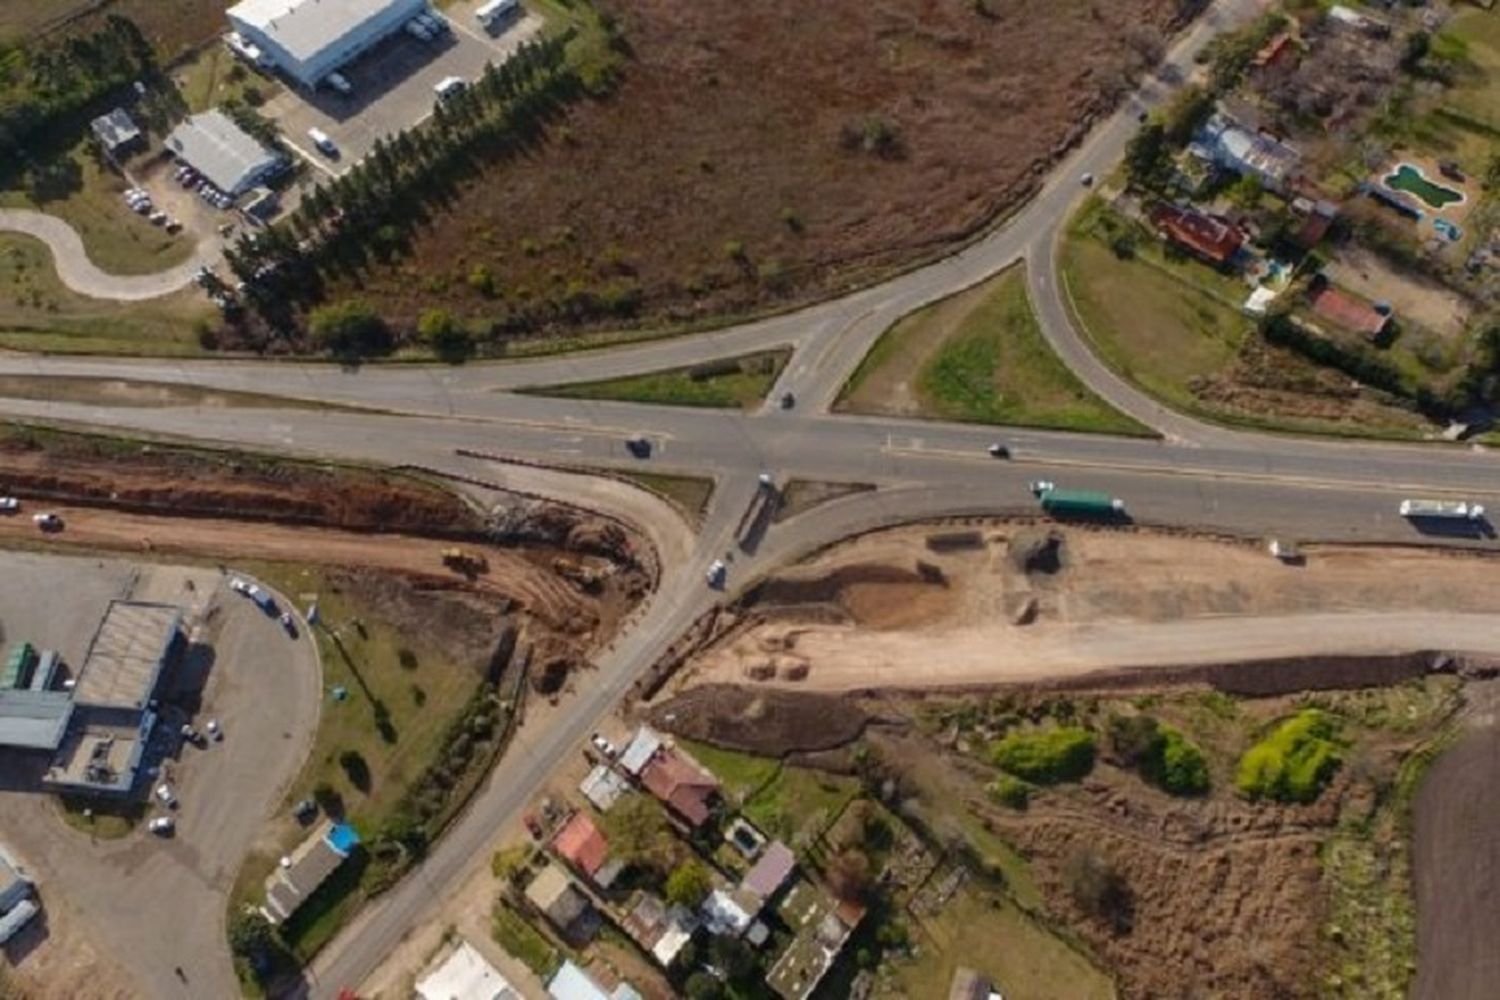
(34, 720)
(228, 156)
(306, 27)
(125, 659)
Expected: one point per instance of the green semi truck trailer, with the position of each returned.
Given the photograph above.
(1077, 503)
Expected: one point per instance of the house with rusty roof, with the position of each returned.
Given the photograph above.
(1213, 239)
(684, 787)
(580, 843)
(1348, 312)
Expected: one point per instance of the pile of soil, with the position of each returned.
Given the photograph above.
(186, 482)
(868, 594)
(769, 723)
(766, 153)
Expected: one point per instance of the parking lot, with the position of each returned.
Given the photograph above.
(392, 87)
(241, 668)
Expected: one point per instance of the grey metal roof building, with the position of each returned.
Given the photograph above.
(225, 154)
(115, 130)
(308, 39)
(34, 720)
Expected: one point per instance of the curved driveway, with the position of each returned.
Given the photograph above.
(81, 274)
(1195, 475)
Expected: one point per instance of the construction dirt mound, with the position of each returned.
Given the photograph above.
(869, 594)
(770, 723)
(186, 482)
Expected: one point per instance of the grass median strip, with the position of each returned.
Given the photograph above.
(978, 356)
(728, 383)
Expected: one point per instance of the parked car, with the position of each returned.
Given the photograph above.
(415, 29)
(717, 571)
(162, 826)
(304, 810)
(339, 83)
(639, 446)
(788, 401)
(192, 735)
(289, 623)
(47, 521)
(166, 796)
(215, 730)
(9, 505)
(323, 142)
(603, 745)
(1087, 180)
(238, 586)
(448, 86)
(1040, 486)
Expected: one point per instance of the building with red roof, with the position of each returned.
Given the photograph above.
(581, 845)
(679, 783)
(1346, 311)
(1211, 238)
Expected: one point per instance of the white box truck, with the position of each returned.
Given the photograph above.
(1448, 509)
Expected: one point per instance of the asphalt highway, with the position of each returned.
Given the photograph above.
(1194, 475)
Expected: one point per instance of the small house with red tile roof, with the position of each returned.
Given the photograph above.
(582, 846)
(678, 782)
(1210, 238)
(1348, 312)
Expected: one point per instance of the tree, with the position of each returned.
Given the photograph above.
(688, 884)
(349, 327)
(849, 875)
(251, 935)
(639, 830)
(1100, 890)
(1146, 155)
(732, 957)
(702, 986)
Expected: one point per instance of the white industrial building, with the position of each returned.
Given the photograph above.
(308, 39)
(226, 155)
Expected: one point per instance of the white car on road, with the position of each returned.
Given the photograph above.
(323, 142)
(9, 505)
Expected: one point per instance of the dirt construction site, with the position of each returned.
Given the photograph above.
(1001, 603)
(919, 644)
(440, 562)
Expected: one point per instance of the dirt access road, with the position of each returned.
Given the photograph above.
(888, 610)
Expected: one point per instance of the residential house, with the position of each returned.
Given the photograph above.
(660, 929)
(822, 926)
(1317, 217)
(117, 132)
(603, 787)
(971, 985)
(580, 843)
(1211, 238)
(465, 975)
(1227, 144)
(563, 904)
(1348, 312)
(729, 912)
(639, 751)
(771, 872)
(684, 787)
(300, 874)
(570, 982)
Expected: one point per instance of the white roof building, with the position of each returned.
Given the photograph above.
(639, 751)
(225, 154)
(465, 975)
(308, 39)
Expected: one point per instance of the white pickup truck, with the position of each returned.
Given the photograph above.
(1458, 510)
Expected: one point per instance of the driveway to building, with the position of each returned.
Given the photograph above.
(81, 275)
(154, 903)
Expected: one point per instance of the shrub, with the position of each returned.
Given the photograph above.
(1010, 791)
(1046, 756)
(1100, 890)
(688, 884)
(481, 280)
(1294, 761)
(1163, 755)
(447, 337)
(349, 327)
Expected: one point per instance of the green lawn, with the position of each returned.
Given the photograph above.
(1472, 37)
(689, 494)
(513, 933)
(978, 356)
(38, 313)
(375, 663)
(988, 933)
(89, 199)
(1149, 321)
(214, 75)
(793, 803)
(740, 382)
